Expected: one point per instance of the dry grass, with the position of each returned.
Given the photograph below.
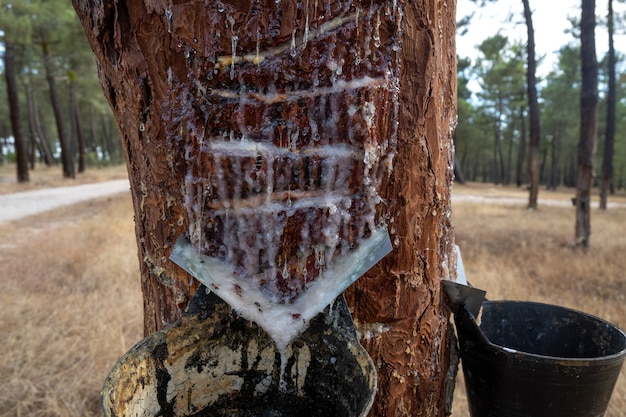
(71, 302)
(516, 254)
(71, 306)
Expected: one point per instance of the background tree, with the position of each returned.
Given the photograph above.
(52, 18)
(533, 109)
(14, 108)
(559, 112)
(500, 71)
(76, 130)
(34, 125)
(560, 109)
(606, 180)
(26, 23)
(619, 153)
(146, 49)
(520, 173)
(464, 108)
(588, 122)
(16, 19)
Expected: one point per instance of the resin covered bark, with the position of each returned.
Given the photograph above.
(287, 138)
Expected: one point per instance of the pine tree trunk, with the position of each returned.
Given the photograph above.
(497, 169)
(606, 182)
(94, 143)
(556, 160)
(10, 75)
(403, 293)
(67, 158)
(520, 178)
(588, 122)
(77, 130)
(153, 62)
(35, 127)
(533, 111)
(108, 148)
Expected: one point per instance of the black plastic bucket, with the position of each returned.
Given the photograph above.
(533, 360)
(214, 363)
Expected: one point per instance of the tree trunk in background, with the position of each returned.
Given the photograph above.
(533, 111)
(458, 171)
(94, 144)
(80, 137)
(555, 164)
(572, 171)
(520, 178)
(498, 167)
(77, 131)
(606, 183)
(35, 126)
(107, 140)
(509, 155)
(10, 75)
(147, 50)
(588, 122)
(67, 158)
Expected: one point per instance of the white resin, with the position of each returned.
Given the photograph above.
(306, 156)
(283, 322)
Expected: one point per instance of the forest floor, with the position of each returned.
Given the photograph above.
(43, 177)
(71, 299)
(517, 254)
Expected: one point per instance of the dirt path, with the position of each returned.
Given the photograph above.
(17, 205)
(471, 198)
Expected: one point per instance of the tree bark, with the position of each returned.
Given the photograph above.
(520, 178)
(606, 183)
(150, 55)
(498, 160)
(21, 152)
(533, 111)
(94, 145)
(458, 172)
(77, 130)
(555, 165)
(108, 147)
(35, 126)
(67, 158)
(588, 122)
(403, 292)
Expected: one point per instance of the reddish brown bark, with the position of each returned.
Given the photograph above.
(398, 306)
(402, 293)
(588, 122)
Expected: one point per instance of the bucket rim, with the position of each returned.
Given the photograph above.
(199, 311)
(620, 355)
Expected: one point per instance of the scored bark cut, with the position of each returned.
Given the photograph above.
(287, 138)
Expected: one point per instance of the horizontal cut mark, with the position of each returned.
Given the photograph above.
(338, 87)
(277, 202)
(247, 148)
(326, 27)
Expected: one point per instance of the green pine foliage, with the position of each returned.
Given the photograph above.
(32, 25)
(492, 100)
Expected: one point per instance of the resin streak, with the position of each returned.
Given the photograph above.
(286, 138)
